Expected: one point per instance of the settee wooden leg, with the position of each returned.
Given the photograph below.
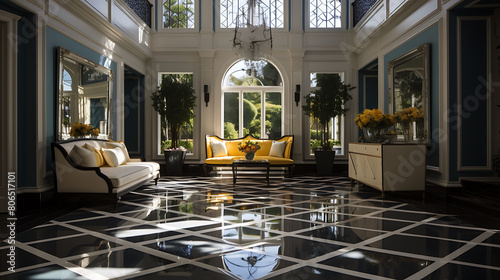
(205, 170)
(156, 180)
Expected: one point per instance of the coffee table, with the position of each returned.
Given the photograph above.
(250, 163)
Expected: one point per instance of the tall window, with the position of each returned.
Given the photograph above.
(335, 126)
(325, 14)
(186, 132)
(273, 11)
(252, 99)
(178, 14)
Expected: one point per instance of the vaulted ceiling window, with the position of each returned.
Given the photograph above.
(272, 10)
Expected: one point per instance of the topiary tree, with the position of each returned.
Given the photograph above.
(174, 101)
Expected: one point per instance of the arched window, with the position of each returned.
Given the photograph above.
(67, 81)
(252, 100)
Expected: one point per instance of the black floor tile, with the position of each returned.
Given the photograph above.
(453, 271)
(375, 263)
(418, 245)
(480, 254)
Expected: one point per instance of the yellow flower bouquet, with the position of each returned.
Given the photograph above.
(249, 148)
(374, 123)
(408, 115)
(80, 130)
(374, 119)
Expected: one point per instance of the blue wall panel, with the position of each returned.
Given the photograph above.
(474, 118)
(371, 92)
(469, 133)
(55, 39)
(431, 36)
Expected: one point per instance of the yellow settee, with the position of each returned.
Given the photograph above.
(233, 153)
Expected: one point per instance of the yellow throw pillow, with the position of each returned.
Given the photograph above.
(112, 144)
(97, 153)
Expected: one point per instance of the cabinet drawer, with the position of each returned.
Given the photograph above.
(366, 149)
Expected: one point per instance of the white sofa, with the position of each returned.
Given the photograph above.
(71, 177)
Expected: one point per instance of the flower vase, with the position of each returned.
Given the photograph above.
(407, 131)
(249, 156)
(374, 135)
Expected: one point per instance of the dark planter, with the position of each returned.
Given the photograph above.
(174, 161)
(324, 162)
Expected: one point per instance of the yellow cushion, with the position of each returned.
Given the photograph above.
(98, 156)
(220, 160)
(232, 148)
(288, 150)
(229, 160)
(265, 147)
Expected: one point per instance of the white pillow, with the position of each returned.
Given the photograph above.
(83, 157)
(113, 157)
(277, 149)
(218, 149)
(121, 145)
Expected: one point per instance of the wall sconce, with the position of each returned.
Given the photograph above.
(207, 95)
(297, 95)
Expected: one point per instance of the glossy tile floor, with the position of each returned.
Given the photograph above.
(299, 228)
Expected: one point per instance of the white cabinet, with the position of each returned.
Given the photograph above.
(386, 167)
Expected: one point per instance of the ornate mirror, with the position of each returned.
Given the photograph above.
(84, 97)
(409, 87)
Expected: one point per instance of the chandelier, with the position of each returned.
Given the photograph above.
(252, 37)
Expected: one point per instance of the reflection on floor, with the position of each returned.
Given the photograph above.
(299, 228)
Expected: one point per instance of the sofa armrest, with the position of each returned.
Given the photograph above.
(73, 178)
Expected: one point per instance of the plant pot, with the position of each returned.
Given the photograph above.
(174, 161)
(324, 162)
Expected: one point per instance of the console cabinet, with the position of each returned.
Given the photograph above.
(388, 167)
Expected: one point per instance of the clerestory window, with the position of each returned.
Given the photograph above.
(179, 14)
(272, 10)
(325, 14)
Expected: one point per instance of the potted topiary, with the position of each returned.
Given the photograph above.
(174, 101)
(323, 104)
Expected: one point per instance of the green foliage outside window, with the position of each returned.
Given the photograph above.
(178, 14)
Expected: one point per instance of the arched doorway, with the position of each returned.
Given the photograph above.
(252, 100)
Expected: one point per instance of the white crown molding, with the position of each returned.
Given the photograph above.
(87, 14)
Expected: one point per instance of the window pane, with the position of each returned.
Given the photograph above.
(178, 14)
(186, 131)
(231, 116)
(325, 14)
(333, 127)
(273, 115)
(272, 10)
(251, 113)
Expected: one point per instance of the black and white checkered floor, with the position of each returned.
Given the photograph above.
(299, 228)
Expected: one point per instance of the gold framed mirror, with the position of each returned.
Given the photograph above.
(409, 88)
(84, 97)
